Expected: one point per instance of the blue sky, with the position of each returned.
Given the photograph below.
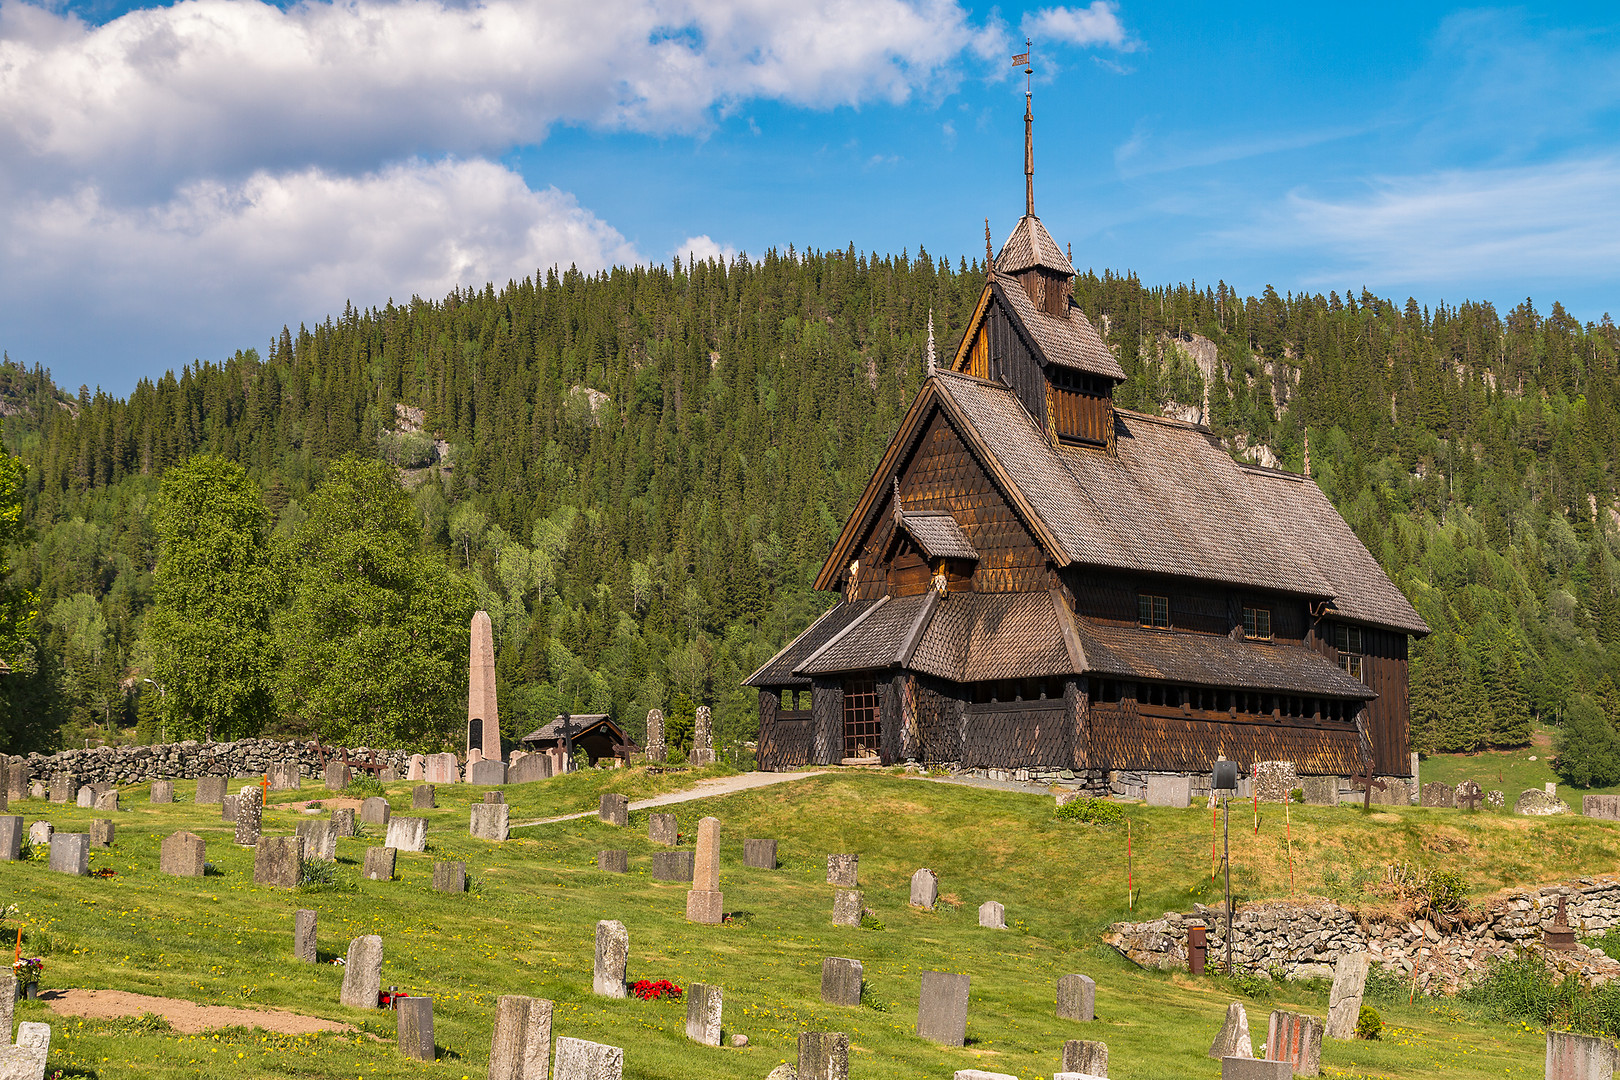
(179, 181)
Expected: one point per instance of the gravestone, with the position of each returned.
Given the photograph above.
(1438, 794)
(823, 1055)
(662, 829)
(842, 870)
(1606, 807)
(1344, 1002)
(1274, 781)
(493, 798)
(304, 950)
(413, 1027)
(841, 981)
(703, 1006)
(1173, 791)
(613, 862)
(1469, 796)
(284, 776)
(86, 799)
(442, 769)
(422, 797)
(107, 802)
(528, 768)
(26, 1060)
(62, 788)
(362, 973)
(487, 773)
(848, 907)
(759, 854)
(375, 811)
(450, 877)
(1495, 800)
(992, 916)
(1320, 790)
(338, 776)
(8, 1011)
(1242, 1068)
(924, 889)
(249, 815)
(581, 1060)
(40, 832)
(612, 954)
(702, 738)
(210, 790)
(705, 903)
(980, 1074)
(227, 808)
(1579, 1057)
(183, 854)
(410, 833)
(379, 865)
(942, 1008)
(36, 790)
(70, 853)
(102, 832)
(1077, 998)
(483, 710)
(343, 822)
(415, 768)
(11, 834)
(1085, 1056)
(1234, 1039)
(320, 840)
(657, 748)
(488, 821)
(1534, 803)
(16, 782)
(521, 1046)
(1297, 1039)
(672, 865)
(614, 809)
(162, 791)
(278, 861)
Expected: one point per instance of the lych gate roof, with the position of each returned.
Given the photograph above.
(581, 723)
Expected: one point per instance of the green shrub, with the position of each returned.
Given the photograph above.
(1369, 1025)
(1092, 812)
(363, 786)
(318, 875)
(1297, 795)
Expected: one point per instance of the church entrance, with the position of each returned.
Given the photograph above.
(862, 719)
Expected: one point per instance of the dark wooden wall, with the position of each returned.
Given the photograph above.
(1125, 735)
(1110, 598)
(1012, 362)
(786, 738)
(1389, 715)
(1016, 735)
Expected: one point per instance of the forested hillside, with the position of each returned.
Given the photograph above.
(638, 472)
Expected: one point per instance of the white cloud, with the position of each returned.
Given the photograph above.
(703, 248)
(1091, 26)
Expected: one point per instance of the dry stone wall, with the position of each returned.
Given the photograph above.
(187, 760)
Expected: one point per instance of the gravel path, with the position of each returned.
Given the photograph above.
(703, 789)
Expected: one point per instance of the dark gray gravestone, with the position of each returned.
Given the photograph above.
(703, 1007)
(182, 854)
(840, 981)
(11, 834)
(1076, 998)
(227, 808)
(487, 773)
(843, 870)
(338, 776)
(278, 861)
(304, 937)
(450, 877)
(614, 862)
(375, 811)
(1085, 1057)
(102, 832)
(362, 973)
(379, 864)
(760, 854)
(162, 791)
(942, 1008)
(614, 809)
(848, 907)
(1436, 793)
(343, 822)
(527, 769)
(673, 865)
(211, 790)
(414, 1027)
(1238, 1068)
(662, 829)
(422, 797)
(823, 1055)
(493, 798)
(70, 853)
(62, 788)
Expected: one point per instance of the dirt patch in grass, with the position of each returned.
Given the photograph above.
(186, 1017)
(330, 803)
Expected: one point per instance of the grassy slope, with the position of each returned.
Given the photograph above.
(1509, 771)
(528, 928)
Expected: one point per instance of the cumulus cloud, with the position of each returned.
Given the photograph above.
(1087, 27)
(703, 248)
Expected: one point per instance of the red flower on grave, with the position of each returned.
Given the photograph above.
(648, 990)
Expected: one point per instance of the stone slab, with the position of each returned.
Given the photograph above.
(278, 861)
(942, 1006)
(107, 802)
(1297, 1039)
(705, 907)
(442, 769)
(1320, 790)
(662, 829)
(86, 798)
(320, 839)
(102, 833)
(612, 956)
(227, 808)
(1085, 1057)
(980, 1074)
(614, 809)
(848, 907)
(823, 1055)
(375, 811)
(1344, 1000)
(362, 973)
(284, 776)
(493, 798)
(703, 1007)
(1534, 803)
(1438, 794)
(1579, 1057)
(413, 1027)
(40, 832)
(1606, 807)
(26, 1060)
(304, 950)
(706, 865)
(343, 821)
(379, 865)
(422, 797)
(11, 835)
(450, 877)
(409, 833)
(613, 862)
(1233, 1040)
(527, 769)
(162, 791)
(672, 865)
(759, 854)
(924, 889)
(581, 1060)
(1077, 998)
(488, 773)
(62, 788)
(183, 854)
(337, 776)
(1172, 791)
(520, 1048)
(843, 870)
(249, 815)
(992, 915)
(841, 981)
(488, 821)
(1242, 1068)
(70, 853)
(211, 790)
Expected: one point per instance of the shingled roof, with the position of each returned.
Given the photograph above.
(1067, 341)
(938, 534)
(1030, 245)
(1213, 660)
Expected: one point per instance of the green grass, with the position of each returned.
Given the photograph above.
(1509, 771)
(529, 928)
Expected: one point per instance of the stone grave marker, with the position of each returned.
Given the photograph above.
(343, 822)
(980, 1074)
(1173, 791)
(36, 790)
(182, 854)
(1077, 998)
(487, 821)
(62, 788)
(1438, 794)
(823, 1055)
(1535, 803)
(227, 808)
(107, 802)
(1241, 1068)
(841, 981)
(86, 799)
(848, 907)
(26, 1060)
(1495, 800)
(1234, 1039)
(1275, 780)
(1469, 796)
(1606, 807)
(942, 1008)
(415, 768)
(520, 1049)
(249, 815)
(488, 773)
(8, 1011)
(102, 832)
(337, 776)
(1297, 1039)
(672, 865)
(1344, 1001)
(703, 1005)
(11, 834)
(16, 782)
(379, 865)
(759, 854)
(612, 954)
(528, 768)
(613, 862)
(70, 853)
(842, 870)
(705, 903)
(1320, 790)
(278, 861)
(1085, 1056)
(493, 798)
(375, 811)
(304, 950)
(210, 790)
(422, 797)
(162, 791)
(408, 834)
(662, 829)
(284, 776)
(924, 889)
(413, 1027)
(992, 915)
(320, 839)
(443, 769)
(657, 748)
(450, 877)
(1579, 1057)
(581, 1060)
(614, 809)
(702, 738)
(362, 973)
(40, 832)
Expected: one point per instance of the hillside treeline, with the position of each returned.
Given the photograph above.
(638, 472)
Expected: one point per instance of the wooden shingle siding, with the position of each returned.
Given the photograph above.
(826, 722)
(939, 724)
(1125, 735)
(1013, 735)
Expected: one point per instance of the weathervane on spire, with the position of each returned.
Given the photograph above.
(1029, 129)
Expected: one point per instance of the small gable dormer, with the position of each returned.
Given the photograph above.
(928, 549)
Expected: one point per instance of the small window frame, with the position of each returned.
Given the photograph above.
(1152, 611)
(1257, 623)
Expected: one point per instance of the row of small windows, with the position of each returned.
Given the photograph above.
(1211, 699)
(1153, 611)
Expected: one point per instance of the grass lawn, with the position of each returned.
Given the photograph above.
(1509, 771)
(527, 927)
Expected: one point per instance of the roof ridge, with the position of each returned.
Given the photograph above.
(1166, 421)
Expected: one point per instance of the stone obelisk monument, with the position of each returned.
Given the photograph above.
(483, 718)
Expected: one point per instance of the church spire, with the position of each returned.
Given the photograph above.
(1029, 134)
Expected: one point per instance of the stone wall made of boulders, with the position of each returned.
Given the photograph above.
(189, 760)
